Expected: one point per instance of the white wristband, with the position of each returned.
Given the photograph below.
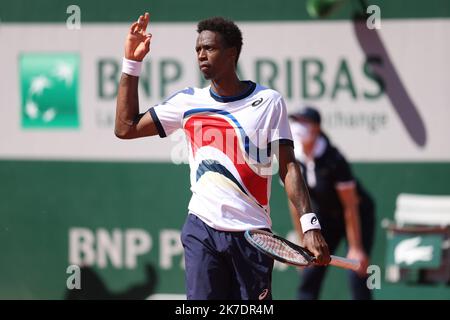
(131, 67)
(309, 221)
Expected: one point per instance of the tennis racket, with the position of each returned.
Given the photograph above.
(287, 252)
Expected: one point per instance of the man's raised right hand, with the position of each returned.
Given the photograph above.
(137, 44)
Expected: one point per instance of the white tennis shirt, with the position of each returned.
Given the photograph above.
(229, 140)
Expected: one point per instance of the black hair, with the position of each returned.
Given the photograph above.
(230, 32)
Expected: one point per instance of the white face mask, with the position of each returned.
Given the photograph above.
(303, 131)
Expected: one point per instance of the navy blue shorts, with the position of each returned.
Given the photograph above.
(222, 265)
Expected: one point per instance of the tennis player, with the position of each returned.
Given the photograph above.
(233, 128)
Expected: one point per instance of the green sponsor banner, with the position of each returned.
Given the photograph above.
(120, 223)
(415, 251)
(49, 90)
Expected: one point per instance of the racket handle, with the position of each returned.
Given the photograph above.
(344, 263)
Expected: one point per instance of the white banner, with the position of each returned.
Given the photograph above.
(383, 95)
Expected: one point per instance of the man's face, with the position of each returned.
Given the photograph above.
(213, 58)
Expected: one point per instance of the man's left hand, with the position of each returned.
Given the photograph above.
(316, 244)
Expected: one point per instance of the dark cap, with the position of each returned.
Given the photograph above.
(308, 113)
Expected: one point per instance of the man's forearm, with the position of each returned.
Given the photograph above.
(353, 228)
(298, 196)
(350, 203)
(296, 221)
(296, 189)
(299, 203)
(294, 184)
(127, 108)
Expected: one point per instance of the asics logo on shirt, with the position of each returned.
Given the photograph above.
(257, 102)
(263, 294)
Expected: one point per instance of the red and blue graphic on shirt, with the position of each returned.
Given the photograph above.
(221, 130)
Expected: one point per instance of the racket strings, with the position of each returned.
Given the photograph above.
(279, 248)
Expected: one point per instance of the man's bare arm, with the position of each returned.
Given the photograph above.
(299, 203)
(350, 202)
(129, 122)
